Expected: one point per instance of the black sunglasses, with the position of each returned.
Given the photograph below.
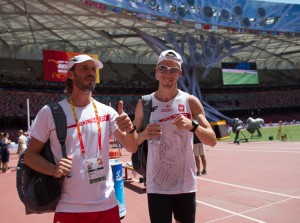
(165, 69)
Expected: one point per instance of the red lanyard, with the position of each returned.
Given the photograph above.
(78, 128)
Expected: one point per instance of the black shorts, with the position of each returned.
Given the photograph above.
(161, 207)
(5, 155)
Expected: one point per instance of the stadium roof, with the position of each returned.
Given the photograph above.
(29, 26)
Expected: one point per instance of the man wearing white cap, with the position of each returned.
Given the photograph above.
(171, 175)
(86, 197)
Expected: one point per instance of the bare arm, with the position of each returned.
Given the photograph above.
(34, 160)
(123, 135)
(151, 130)
(204, 131)
(19, 146)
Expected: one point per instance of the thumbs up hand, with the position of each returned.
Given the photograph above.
(123, 121)
(120, 107)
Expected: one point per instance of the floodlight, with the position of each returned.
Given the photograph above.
(181, 11)
(192, 41)
(246, 22)
(261, 12)
(191, 2)
(225, 14)
(197, 58)
(151, 3)
(171, 37)
(238, 10)
(208, 11)
(227, 44)
(207, 52)
(212, 40)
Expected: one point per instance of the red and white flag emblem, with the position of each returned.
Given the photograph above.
(181, 108)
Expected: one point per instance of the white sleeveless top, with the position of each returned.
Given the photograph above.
(171, 163)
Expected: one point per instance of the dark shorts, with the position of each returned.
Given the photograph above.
(161, 207)
(5, 155)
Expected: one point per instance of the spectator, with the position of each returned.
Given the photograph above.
(199, 152)
(5, 152)
(27, 135)
(22, 142)
(1, 145)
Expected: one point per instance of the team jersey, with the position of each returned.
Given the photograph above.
(79, 195)
(171, 163)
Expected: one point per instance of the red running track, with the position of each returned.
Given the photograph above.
(250, 182)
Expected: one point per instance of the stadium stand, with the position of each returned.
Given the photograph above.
(275, 98)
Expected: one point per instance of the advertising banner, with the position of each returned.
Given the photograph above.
(55, 63)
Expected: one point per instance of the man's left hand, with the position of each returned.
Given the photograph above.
(123, 121)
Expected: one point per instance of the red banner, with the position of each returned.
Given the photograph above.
(55, 63)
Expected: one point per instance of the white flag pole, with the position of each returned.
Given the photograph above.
(28, 114)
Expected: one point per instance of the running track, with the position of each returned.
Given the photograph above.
(250, 182)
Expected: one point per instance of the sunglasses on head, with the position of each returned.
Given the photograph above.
(165, 69)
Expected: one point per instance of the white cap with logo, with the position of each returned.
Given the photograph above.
(83, 58)
(170, 55)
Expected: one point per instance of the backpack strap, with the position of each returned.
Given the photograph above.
(147, 108)
(60, 122)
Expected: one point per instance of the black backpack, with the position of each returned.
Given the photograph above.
(139, 158)
(41, 193)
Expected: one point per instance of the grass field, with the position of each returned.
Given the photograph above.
(292, 134)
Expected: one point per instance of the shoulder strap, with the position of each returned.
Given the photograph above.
(147, 108)
(60, 122)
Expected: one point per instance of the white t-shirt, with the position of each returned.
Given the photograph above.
(78, 194)
(22, 141)
(171, 164)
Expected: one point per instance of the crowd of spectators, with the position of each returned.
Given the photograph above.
(23, 79)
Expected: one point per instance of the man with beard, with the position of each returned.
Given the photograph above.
(171, 175)
(86, 197)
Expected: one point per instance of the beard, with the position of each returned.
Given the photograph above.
(82, 85)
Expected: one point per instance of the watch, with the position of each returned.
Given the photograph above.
(195, 126)
(133, 130)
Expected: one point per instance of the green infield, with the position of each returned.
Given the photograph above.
(288, 133)
(233, 78)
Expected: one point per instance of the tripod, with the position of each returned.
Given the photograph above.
(279, 135)
(279, 132)
(237, 140)
(259, 135)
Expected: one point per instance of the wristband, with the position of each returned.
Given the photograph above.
(133, 130)
(195, 126)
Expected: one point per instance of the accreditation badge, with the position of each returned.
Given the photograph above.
(95, 170)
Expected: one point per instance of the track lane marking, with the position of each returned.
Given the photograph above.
(242, 213)
(249, 188)
(228, 211)
(253, 150)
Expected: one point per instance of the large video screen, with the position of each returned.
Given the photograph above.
(239, 73)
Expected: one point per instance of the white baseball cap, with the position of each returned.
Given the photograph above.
(83, 58)
(170, 55)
